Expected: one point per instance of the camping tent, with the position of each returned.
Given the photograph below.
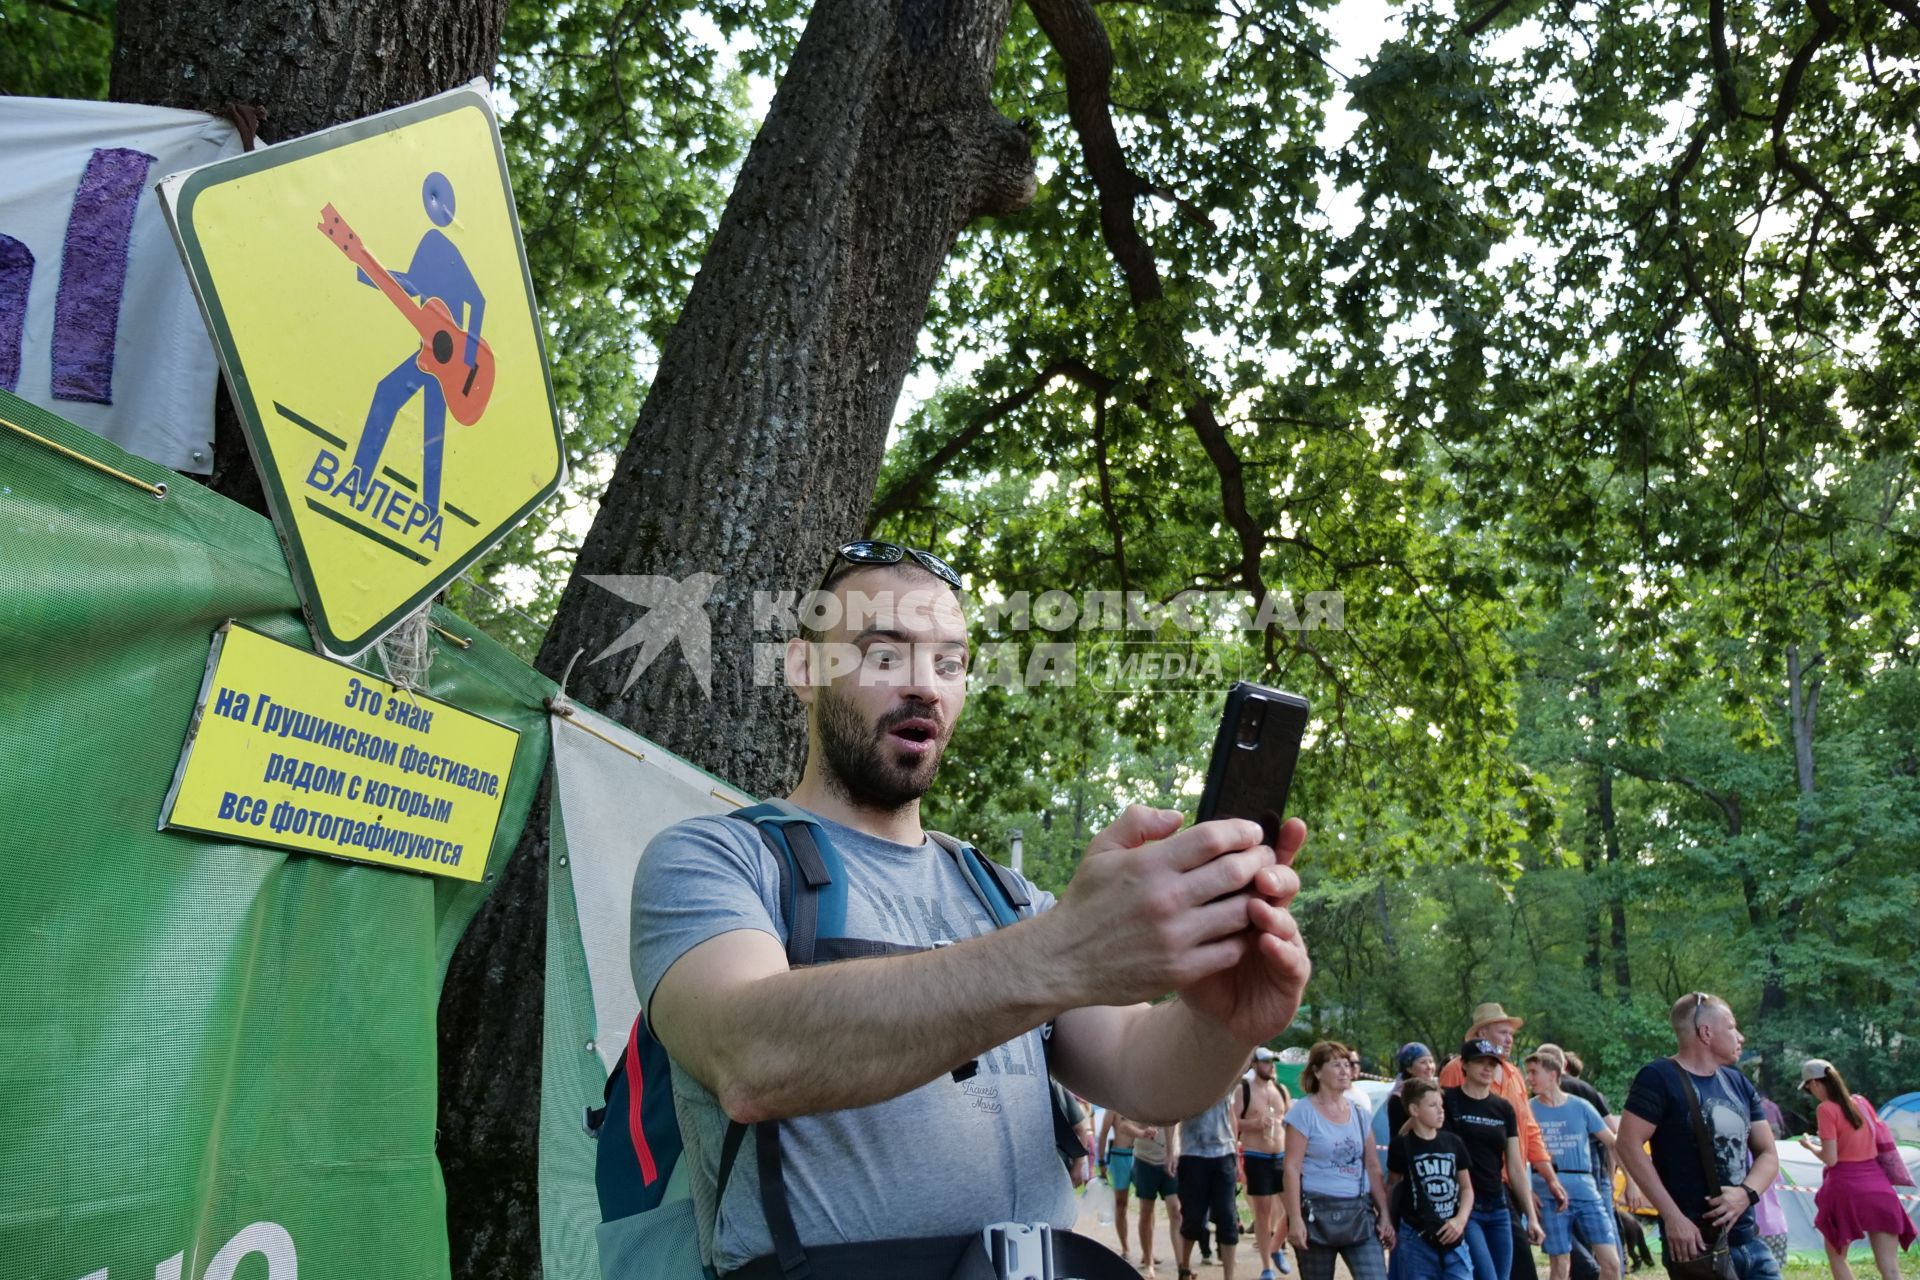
(1802, 1171)
(1902, 1115)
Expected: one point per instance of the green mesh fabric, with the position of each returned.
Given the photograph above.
(197, 1037)
(571, 1080)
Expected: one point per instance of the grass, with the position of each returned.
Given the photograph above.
(1799, 1266)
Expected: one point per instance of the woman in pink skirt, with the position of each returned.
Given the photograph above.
(1855, 1197)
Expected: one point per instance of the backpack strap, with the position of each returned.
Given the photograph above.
(636, 1085)
(813, 892)
(813, 899)
(1703, 1142)
(999, 890)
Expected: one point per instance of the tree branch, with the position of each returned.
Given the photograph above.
(1080, 38)
(1486, 19)
(1077, 35)
(74, 11)
(1722, 60)
(1106, 491)
(902, 494)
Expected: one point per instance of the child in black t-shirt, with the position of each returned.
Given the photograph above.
(1432, 1189)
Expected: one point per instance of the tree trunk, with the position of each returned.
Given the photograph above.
(1616, 903)
(307, 64)
(1803, 702)
(1388, 943)
(756, 451)
(1590, 860)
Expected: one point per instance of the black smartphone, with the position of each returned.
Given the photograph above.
(1253, 757)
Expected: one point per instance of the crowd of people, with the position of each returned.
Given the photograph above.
(1463, 1169)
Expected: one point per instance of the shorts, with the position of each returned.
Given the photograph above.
(1207, 1185)
(1584, 1206)
(1263, 1173)
(1153, 1182)
(1120, 1168)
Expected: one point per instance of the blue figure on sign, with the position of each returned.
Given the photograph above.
(453, 369)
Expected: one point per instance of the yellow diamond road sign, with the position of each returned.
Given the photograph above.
(369, 296)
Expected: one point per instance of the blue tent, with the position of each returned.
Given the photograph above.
(1902, 1115)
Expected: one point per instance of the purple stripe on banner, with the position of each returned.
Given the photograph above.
(93, 274)
(16, 277)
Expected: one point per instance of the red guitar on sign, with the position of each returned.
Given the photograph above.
(443, 344)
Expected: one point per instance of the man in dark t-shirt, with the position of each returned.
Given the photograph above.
(1695, 1214)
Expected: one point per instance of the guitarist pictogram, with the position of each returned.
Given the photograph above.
(453, 369)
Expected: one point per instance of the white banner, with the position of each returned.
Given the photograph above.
(97, 322)
(613, 791)
(616, 791)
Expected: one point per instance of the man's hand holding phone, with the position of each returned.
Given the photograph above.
(1249, 777)
(1256, 997)
(1156, 906)
(1202, 910)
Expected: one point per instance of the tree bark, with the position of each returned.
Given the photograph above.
(755, 452)
(1590, 860)
(307, 64)
(1616, 902)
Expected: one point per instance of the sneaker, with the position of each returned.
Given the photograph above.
(1280, 1262)
(1266, 1275)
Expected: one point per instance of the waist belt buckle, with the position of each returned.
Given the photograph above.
(1020, 1250)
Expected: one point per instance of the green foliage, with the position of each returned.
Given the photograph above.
(623, 123)
(1599, 413)
(1583, 370)
(55, 48)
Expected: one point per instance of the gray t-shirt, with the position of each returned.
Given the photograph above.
(1336, 1155)
(1211, 1132)
(945, 1159)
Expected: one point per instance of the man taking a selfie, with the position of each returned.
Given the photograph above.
(899, 1099)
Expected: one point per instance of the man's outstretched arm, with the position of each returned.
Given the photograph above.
(1172, 1060)
(1143, 916)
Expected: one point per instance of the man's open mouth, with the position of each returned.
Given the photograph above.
(916, 734)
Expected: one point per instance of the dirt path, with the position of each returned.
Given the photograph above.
(1246, 1268)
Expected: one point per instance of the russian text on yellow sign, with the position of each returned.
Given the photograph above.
(305, 339)
(295, 751)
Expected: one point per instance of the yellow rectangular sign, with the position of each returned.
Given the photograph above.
(299, 752)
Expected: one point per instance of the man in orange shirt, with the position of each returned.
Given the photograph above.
(1491, 1022)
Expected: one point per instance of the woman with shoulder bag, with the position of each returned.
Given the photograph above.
(1336, 1198)
(1856, 1196)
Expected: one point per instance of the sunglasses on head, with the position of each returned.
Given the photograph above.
(870, 551)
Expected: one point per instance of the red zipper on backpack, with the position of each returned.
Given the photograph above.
(636, 1086)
